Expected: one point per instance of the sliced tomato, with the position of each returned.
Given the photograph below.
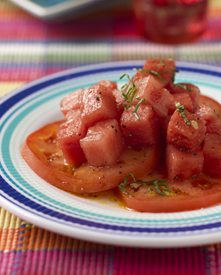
(42, 154)
(196, 193)
(212, 103)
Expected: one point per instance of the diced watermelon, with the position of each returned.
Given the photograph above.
(98, 103)
(182, 135)
(213, 123)
(142, 74)
(166, 68)
(145, 86)
(138, 133)
(160, 99)
(73, 114)
(103, 143)
(190, 89)
(69, 136)
(107, 83)
(184, 99)
(164, 124)
(119, 100)
(71, 101)
(212, 155)
(182, 163)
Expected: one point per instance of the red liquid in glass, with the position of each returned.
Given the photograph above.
(171, 21)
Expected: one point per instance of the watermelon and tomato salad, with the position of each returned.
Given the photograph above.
(155, 142)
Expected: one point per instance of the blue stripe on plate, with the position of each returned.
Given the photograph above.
(20, 198)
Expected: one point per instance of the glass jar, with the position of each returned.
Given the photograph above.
(171, 21)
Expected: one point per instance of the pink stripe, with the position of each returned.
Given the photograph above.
(180, 261)
(22, 29)
(6, 261)
(28, 263)
(20, 74)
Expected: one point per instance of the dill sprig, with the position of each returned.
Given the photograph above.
(153, 184)
(181, 109)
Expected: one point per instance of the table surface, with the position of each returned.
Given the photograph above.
(31, 48)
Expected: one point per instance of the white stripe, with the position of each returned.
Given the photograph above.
(58, 49)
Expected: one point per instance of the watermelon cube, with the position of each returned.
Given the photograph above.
(98, 103)
(213, 123)
(107, 83)
(190, 89)
(186, 134)
(160, 99)
(182, 164)
(166, 68)
(145, 86)
(103, 143)
(184, 99)
(69, 135)
(119, 100)
(143, 131)
(71, 101)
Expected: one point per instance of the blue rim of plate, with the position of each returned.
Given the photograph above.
(143, 230)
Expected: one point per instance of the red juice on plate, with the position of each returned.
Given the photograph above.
(171, 21)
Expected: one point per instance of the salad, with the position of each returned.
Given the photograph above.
(155, 142)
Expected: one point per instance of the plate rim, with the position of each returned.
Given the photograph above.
(196, 240)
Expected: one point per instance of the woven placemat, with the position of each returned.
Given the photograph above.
(31, 48)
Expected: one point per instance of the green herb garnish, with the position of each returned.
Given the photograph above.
(157, 73)
(154, 184)
(215, 112)
(138, 105)
(184, 87)
(152, 72)
(181, 109)
(129, 95)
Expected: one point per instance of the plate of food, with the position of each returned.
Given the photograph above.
(124, 153)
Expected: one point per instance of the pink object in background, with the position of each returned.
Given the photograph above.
(171, 21)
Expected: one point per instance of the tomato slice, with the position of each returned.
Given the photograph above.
(42, 154)
(211, 103)
(198, 192)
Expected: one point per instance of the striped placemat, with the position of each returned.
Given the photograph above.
(31, 48)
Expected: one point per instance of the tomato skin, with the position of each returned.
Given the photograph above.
(196, 193)
(42, 154)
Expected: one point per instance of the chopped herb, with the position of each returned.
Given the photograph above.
(154, 184)
(157, 73)
(173, 75)
(129, 95)
(152, 72)
(181, 109)
(215, 112)
(138, 105)
(184, 87)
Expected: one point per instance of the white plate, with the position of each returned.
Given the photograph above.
(31, 198)
(53, 9)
